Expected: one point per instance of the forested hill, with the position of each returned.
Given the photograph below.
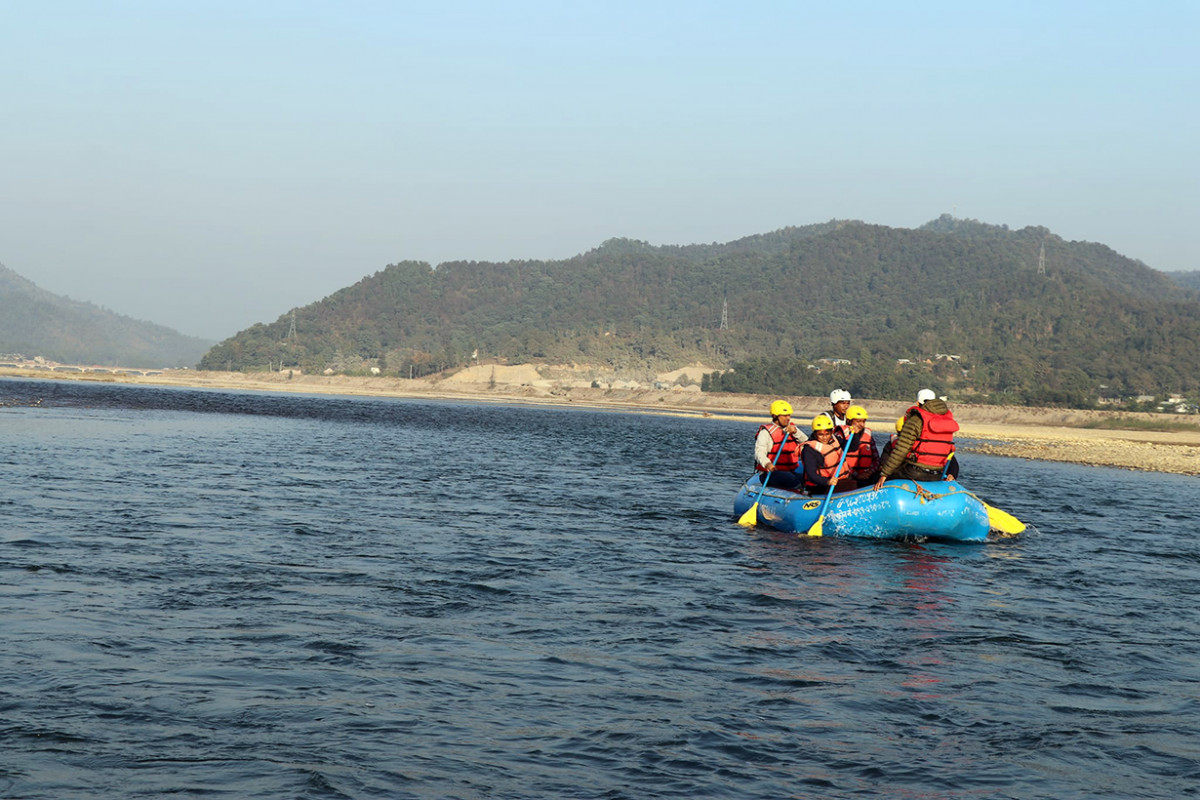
(1188, 280)
(36, 322)
(868, 294)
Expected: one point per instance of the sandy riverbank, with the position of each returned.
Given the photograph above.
(1031, 433)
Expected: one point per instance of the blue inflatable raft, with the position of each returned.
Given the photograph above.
(901, 509)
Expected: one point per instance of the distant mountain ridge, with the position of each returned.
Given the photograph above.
(1186, 280)
(843, 291)
(36, 322)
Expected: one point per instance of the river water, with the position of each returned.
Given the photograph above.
(218, 594)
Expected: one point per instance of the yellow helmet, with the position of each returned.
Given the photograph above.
(855, 412)
(899, 424)
(780, 407)
(822, 422)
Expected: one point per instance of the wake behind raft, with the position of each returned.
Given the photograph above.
(901, 509)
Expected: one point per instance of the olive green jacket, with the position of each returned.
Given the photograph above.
(909, 435)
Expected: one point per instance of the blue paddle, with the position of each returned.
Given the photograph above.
(750, 518)
(946, 466)
(815, 530)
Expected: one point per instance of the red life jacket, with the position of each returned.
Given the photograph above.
(789, 459)
(831, 454)
(860, 462)
(933, 447)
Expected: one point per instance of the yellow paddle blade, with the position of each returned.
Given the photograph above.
(815, 530)
(750, 518)
(1003, 521)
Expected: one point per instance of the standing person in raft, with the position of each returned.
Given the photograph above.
(839, 402)
(925, 443)
(821, 455)
(777, 460)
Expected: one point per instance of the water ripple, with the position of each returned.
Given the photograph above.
(256, 596)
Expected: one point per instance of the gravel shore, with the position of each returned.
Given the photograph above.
(1033, 433)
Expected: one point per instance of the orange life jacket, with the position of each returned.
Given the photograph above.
(933, 447)
(789, 459)
(860, 462)
(831, 454)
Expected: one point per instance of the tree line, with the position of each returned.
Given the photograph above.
(959, 300)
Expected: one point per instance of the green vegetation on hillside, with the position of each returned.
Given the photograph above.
(35, 322)
(1186, 280)
(963, 302)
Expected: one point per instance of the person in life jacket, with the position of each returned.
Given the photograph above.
(925, 443)
(777, 449)
(951, 468)
(862, 456)
(839, 402)
(821, 455)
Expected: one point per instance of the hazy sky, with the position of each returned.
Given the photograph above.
(208, 165)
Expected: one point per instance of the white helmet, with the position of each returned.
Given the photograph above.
(839, 395)
(924, 396)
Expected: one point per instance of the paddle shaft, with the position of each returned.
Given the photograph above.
(832, 485)
(774, 461)
(751, 515)
(946, 466)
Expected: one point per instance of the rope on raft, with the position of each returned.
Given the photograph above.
(921, 492)
(1000, 521)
